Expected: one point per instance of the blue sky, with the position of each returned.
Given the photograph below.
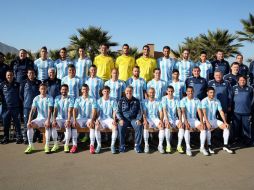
(31, 24)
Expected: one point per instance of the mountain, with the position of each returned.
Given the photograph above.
(8, 49)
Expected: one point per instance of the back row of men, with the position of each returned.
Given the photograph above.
(177, 75)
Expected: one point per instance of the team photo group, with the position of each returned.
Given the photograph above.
(164, 94)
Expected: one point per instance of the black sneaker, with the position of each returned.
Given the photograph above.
(5, 141)
(227, 149)
(19, 141)
(210, 149)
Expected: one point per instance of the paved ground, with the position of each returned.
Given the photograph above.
(123, 171)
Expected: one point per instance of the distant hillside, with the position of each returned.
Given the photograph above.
(8, 49)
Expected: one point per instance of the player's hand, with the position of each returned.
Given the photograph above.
(54, 124)
(167, 123)
(180, 124)
(114, 123)
(187, 125)
(121, 122)
(75, 124)
(226, 125)
(138, 122)
(29, 124)
(67, 124)
(47, 123)
(208, 125)
(202, 126)
(145, 122)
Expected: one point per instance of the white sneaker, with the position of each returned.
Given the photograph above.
(146, 149)
(161, 150)
(188, 152)
(227, 149)
(204, 152)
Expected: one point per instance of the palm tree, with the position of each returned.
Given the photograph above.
(210, 42)
(248, 29)
(219, 40)
(90, 38)
(54, 54)
(9, 57)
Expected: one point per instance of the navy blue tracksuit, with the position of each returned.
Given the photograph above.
(3, 69)
(232, 79)
(199, 84)
(243, 70)
(242, 104)
(54, 87)
(20, 68)
(10, 107)
(223, 93)
(251, 72)
(28, 90)
(129, 111)
(222, 66)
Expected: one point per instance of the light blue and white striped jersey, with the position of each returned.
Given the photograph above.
(152, 108)
(116, 88)
(166, 66)
(106, 107)
(185, 69)
(42, 105)
(171, 106)
(179, 89)
(191, 107)
(82, 67)
(160, 87)
(211, 107)
(62, 105)
(74, 84)
(139, 86)
(85, 107)
(205, 69)
(95, 85)
(62, 67)
(42, 67)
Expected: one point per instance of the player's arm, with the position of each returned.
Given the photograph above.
(75, 113)
(208, 125)
(179, 113)
(33, 110)
(223, 117)
(186, 123)
(200, 115)
(54, 117)
(47, 122)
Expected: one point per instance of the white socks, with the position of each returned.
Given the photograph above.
(74, 133)
(180, 137)
(202, 138)
(114, 137)
(47, 134)
(187, 138)
(30, 135)
(67, 136)
(98, 136)
(54, 135)
(146, 136)
(92, 136)
(208, 137)
(167, 136)
(161, 137)
(225, 136)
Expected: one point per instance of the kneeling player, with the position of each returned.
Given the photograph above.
(152, 116)
(84, 115)
(190, 107)
(62, 114)
(107, 108)
(171, 107)
(210, 106)
(43, 104)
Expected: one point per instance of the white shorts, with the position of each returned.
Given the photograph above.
(83, 122)
(194, 123)
(215, 123)
(39, 122)
(173, 123)
(154, 122)
(61, 122)
(106, 123)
